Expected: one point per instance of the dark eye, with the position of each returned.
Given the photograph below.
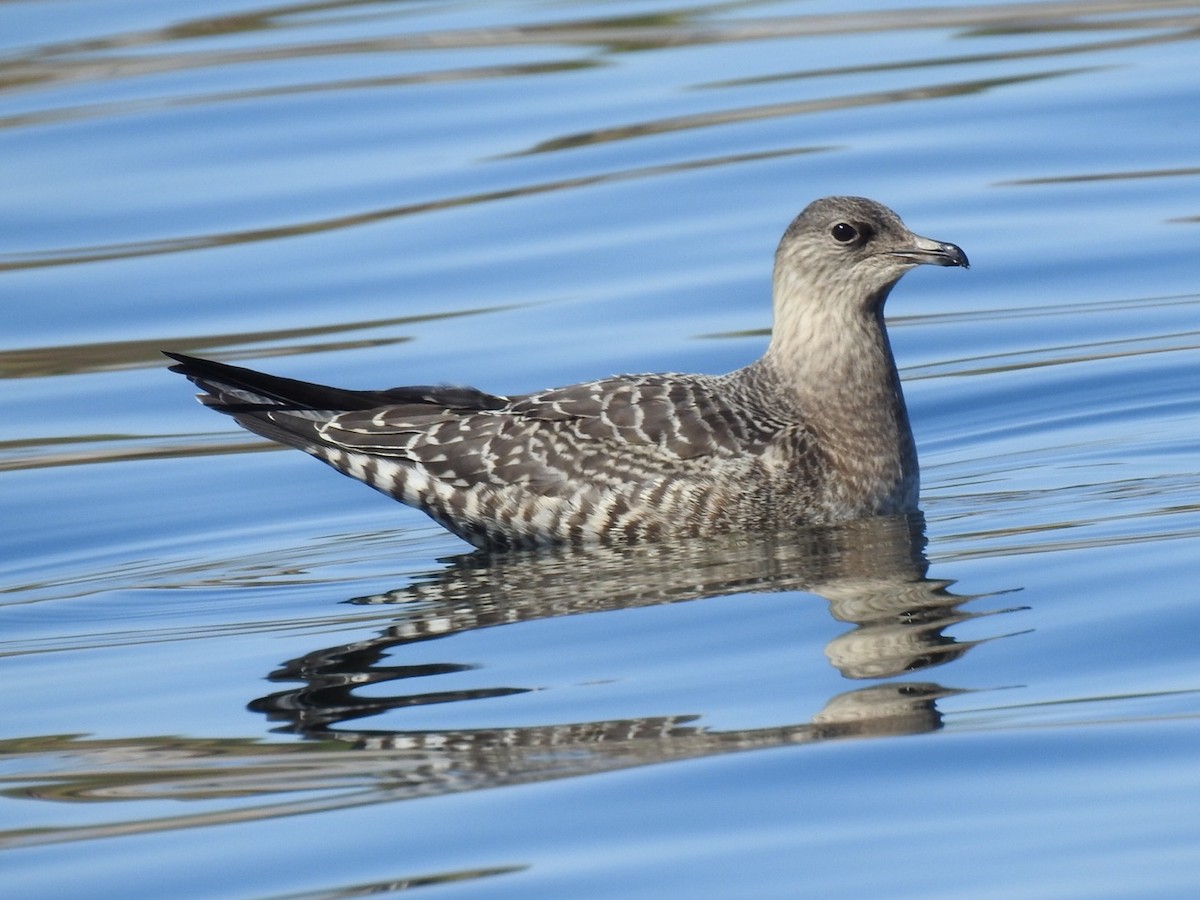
(844, 232)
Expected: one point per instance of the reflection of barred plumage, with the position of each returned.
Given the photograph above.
(815, 431)
(372, 693)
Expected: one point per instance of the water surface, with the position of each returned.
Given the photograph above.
(232, 673)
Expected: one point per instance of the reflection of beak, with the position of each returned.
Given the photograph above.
(935, 253)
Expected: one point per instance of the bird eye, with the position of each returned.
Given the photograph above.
(844, 232)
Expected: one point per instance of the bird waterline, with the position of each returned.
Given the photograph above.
(814, 432)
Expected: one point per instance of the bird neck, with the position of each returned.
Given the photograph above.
(832, 347)
(843, 365)
(835, 361)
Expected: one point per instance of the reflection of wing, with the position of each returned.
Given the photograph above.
(872, 572)
(874, 566)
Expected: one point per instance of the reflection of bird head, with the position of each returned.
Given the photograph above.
(905, 708)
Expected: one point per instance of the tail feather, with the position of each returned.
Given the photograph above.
(290, 411)
(280, 409)
(233, 390)
(229, 388)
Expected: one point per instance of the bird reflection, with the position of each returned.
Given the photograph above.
(871, 572)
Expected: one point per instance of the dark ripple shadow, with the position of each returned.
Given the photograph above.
(135, 249)
(140, 54)
(108, 356)
(109, 58)
(71, 62)
(689, 26)
(793, 108)
(1138, 174)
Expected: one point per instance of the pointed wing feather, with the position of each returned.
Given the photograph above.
(611, 431)
(684, 416)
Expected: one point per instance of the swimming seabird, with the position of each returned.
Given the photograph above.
(813, 432)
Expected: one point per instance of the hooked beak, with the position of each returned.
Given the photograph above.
(936, 253)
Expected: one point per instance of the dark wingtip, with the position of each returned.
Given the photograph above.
(197, 366)
(180, 361)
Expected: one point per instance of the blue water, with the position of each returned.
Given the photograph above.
(231, 673)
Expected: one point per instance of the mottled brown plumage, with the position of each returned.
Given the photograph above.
(813, 432)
